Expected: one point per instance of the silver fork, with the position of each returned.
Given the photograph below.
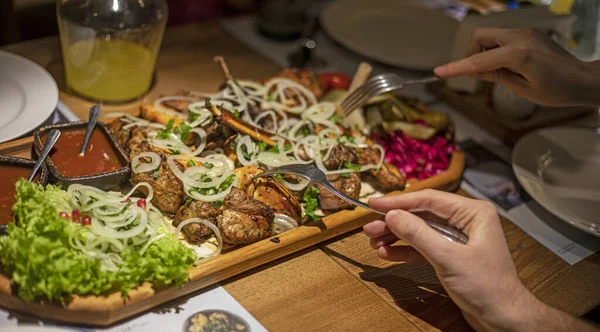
(377, 85)
(313, 174)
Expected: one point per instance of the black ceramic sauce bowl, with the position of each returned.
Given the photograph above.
(105, 181)
(26, 163)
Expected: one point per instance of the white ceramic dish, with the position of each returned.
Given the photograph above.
(398, 33)
(28, 95)
(569, 186)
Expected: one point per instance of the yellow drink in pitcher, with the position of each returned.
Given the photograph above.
(108, 70)
(109, 53)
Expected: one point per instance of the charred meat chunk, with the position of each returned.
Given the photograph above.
(219, 135)
(387, 177)
(195, 232)
(339, 154)
(122, 135)
(179, 105)
(168, 189)
(244, 219)
(269, 191)
(305, 78)
(348, 184)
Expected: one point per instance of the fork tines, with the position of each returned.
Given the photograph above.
(374, 86)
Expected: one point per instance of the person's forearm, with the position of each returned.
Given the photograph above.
(547, 318)
(524, 312)
(534, 315)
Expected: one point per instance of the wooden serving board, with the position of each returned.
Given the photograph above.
(104, 311)
(478, 109)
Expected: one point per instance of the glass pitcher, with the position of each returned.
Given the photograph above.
(110, 46)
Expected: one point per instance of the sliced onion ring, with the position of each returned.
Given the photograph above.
(208, 224)
(283, 223)
(138, 167)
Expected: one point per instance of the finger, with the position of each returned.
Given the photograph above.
(485, 38)
(414, 231)
(427, 215)
(502, 57)
(505, 77)
(376, 228)
(401, 254)
(437, 202)
(386, 240)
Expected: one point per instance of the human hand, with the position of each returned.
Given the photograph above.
(529, 63)
(480, 276)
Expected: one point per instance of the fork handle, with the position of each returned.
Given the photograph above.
(448, 232)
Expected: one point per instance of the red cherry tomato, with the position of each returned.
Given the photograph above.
(75, 216)
(141, 203)
(331, 81)
(63, 215)
(86, 220)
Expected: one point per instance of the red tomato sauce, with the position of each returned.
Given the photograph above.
(100, 156)
(8, 177)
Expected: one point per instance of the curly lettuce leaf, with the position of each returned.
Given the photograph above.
(38, 257)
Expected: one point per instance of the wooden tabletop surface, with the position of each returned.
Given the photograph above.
(339, 285)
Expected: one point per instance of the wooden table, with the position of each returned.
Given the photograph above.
(341, 284)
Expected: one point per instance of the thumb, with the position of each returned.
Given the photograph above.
(414, 231)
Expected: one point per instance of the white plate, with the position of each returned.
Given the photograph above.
(397, 33)
(28, 95)
(570, 188)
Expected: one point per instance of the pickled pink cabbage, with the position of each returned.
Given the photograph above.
(416, 158)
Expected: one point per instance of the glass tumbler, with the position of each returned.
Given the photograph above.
(110, 46)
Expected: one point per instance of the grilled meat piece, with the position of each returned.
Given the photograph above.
(122, 135)
(269, 191)
(339, 154)
(196, 232)
(387, 177)
(244, 219)
(367, 156)
(181, 106)
(238, 200)
(218, 135)
(134, 146)
(223, 117)
(350, 186)
(305, 78)
(168, 189)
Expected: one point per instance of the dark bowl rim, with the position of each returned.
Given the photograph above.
(125, 170)
(18, 161)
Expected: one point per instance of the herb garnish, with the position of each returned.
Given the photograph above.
(310, 198)
(182, 131)
(165, 133)
(349, 165)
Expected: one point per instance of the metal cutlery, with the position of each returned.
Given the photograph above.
(313, 174)
(377, 85)
(92, 120)
(51, 139)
